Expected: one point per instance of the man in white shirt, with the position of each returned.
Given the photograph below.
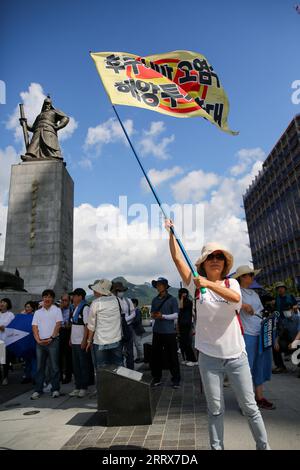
(46, 324)
(79, 332)
(128, 310)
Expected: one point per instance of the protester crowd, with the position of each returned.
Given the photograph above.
(218, 322)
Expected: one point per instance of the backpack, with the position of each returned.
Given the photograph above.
(126, 331)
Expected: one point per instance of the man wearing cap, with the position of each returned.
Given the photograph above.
(104, 326)
(288, 325)
(79, 332)
(164, 311)
(283, 300)
(128, 310)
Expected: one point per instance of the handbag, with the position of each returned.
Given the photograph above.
(126, 331)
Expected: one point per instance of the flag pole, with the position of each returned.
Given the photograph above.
(183, 251)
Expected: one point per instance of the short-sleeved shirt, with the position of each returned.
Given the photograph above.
(170, 306)
(77, 331)
(218, 332)
(46, 319)
(251, 323)
(105, 321)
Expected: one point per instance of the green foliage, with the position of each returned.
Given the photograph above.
(145, 312)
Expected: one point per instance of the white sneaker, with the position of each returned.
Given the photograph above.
(183, 363)
(82, 393)
(191, 364)
(5, 381)
(55, 394)
(74, 393)
(47, 388)
(35, 396)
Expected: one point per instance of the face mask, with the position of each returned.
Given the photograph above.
(120, 295)
(287, 313)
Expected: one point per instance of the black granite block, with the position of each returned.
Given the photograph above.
(122, 401)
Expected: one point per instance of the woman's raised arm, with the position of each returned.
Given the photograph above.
(180, 264)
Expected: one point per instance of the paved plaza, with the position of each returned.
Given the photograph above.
(180, 420)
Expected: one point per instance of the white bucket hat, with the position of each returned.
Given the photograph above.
(210, 248)
(102, 287)
(241, 270)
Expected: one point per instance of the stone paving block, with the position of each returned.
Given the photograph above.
(186, 448)
(153, 447)
(169, 443)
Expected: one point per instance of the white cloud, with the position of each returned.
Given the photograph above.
(68, 131)
(135, 258)
(158, 177)
(33, 101)
(108, 132)
(156, 128)
(246, 157)
(224, 216)
(151, 144)
(194, 186)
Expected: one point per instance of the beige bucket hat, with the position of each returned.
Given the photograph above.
(241, 270)
(210, 248)
(280, 284)
(102, 286)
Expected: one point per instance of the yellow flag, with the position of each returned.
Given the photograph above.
(178, 83)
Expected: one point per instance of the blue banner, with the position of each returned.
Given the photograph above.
(19, 337)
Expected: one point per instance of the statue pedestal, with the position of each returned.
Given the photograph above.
(39, 236)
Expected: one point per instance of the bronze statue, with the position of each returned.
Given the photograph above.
(44, 143)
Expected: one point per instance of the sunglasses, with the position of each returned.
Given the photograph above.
(218, 256)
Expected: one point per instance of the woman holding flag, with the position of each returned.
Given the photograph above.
(218, 334)
(219, 338)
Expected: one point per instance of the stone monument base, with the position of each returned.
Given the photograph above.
(39, 235)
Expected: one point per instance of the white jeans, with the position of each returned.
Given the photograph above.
(212, 370)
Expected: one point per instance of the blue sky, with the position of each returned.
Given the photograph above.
(253, 46)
